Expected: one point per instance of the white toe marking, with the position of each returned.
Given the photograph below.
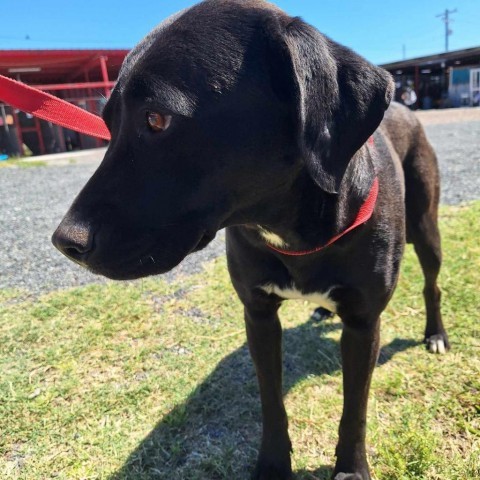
(437, 345)
(441, 346)
(319, 298)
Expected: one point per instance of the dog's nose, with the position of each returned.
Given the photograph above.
(74, 239)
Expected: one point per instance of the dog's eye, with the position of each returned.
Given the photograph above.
(158, 122)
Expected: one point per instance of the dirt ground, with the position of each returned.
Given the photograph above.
(449, 115)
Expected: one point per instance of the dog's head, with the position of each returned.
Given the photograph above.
(214, 114)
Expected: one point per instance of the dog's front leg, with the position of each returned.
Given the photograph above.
(360, 346)
(264, 334)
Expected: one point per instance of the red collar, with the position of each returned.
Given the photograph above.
(364, 214)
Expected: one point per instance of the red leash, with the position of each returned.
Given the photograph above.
(364, 214)
(50, 108)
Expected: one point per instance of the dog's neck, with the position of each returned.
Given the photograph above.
(304, 216)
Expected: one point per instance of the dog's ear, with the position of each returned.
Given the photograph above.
(338, 98)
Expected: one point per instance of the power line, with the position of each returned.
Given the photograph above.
(445, 17)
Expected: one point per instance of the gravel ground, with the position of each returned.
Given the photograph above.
(33, 201)
(458, 150)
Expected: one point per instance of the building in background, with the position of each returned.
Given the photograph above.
(450, 79)
(82, 77)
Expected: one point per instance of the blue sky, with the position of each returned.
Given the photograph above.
(377, 29)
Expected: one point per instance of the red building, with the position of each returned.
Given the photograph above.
(82, 77)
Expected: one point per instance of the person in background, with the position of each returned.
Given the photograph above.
(409, 97)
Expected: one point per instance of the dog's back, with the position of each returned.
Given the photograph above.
(422, 178)
(407, 137)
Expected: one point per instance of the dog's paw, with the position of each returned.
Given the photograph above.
(350, 476)
(352, 470)
(270, 470)
(437, 343)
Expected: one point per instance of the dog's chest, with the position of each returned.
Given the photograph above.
(321, 299)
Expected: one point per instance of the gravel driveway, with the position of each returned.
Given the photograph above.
(33, 201)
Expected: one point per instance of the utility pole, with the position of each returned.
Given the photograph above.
(445, 17)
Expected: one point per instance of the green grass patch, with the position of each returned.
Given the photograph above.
(19, 163)
(150, 380)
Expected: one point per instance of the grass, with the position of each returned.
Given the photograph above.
(22, 163)
(150, 380)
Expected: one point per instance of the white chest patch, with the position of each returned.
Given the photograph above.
(322, 299)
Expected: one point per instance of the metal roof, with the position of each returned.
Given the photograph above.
(449, 57)
(59, 66)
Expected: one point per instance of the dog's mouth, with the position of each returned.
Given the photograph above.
(154, 260)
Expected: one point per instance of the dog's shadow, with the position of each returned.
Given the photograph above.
(217, 429)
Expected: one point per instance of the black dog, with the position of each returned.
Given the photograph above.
(233, 114)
